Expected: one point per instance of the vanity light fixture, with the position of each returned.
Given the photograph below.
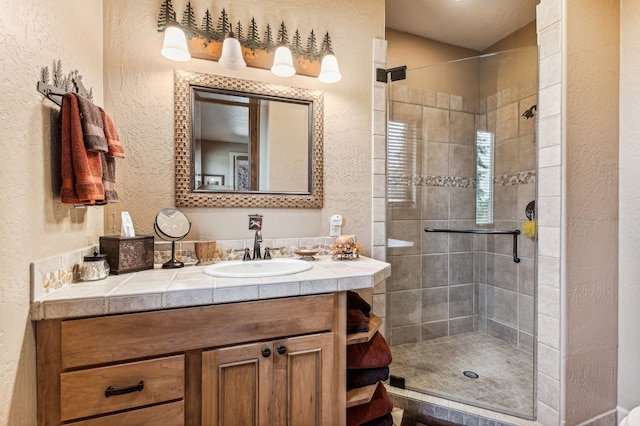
(283, 62)
(231, 57)
(252, 48)
(329, 70)
(175, 43)
(283, 59)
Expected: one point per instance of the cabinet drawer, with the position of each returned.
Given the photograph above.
(170, 414)
(106, 389)
(102, 340)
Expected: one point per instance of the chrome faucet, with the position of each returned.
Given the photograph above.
(256, 245)
(255, 224)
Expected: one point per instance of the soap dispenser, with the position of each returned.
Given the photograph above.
(335, 225)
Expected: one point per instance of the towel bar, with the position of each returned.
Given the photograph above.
(515, 234)
(61, 84)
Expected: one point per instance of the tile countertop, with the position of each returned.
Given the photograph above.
(189, 286)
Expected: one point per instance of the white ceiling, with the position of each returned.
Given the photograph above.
(474, 24)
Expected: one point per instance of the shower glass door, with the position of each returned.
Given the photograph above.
(460, 156)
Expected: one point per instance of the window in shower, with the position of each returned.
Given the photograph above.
(484, 178)
(401, 163)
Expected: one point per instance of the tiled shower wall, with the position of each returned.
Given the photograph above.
(445, 283)
(506, 292)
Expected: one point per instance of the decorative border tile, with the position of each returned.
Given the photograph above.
(521, 178)
(51, 274)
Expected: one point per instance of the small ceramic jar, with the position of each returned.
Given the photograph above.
(94, 267)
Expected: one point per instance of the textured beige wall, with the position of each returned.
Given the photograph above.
(506, 70)
(34, 223)
(417, 52)
(139, 94)
(288, 159)
(525, 36)
(591, 163)
(629, 245)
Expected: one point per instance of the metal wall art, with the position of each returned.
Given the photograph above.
(258, 44)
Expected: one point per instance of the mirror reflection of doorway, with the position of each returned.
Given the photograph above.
(239, 170)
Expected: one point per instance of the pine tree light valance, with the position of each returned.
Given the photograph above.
(258, 44)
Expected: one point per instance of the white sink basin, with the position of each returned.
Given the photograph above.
(257, 268)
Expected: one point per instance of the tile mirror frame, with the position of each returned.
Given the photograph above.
(184, 168)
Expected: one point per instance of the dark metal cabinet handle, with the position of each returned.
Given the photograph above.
(111, 391)
(281, 349)
(266, 352)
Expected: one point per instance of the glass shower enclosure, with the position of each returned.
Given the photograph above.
(461, 156)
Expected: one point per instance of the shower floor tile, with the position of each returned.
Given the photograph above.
(436, 367)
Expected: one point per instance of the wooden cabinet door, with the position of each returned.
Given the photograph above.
(304, 381)
(237, 385)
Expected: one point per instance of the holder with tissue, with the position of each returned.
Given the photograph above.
(128, 252)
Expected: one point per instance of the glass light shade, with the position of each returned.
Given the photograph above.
(231, 57)
(283, 62)
(175, 45)
(329, 71)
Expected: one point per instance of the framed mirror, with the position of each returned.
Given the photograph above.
(241, 143)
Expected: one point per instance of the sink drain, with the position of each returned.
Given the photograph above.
(470, 374)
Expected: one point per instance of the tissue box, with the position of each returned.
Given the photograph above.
(128, 254)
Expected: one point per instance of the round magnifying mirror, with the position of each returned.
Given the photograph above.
(172, 225)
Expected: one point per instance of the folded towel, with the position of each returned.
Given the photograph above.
(366, 376)
(411, 418)
(386, 420)
(379, 406)
(357, 321)
(92, 126)
(372, 354)
(81, 170)
(355, 301)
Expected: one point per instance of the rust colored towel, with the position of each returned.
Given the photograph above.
(81, 170)
(357, 321)
(115, 149)
(379, 406)
(372, 354)
(92, 126)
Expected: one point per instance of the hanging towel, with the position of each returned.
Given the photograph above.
(115, 149)
(92, 126)
(81, 169)
(109, 178)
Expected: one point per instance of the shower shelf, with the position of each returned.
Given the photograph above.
(363, 394)
(365, 336)
(515, 234)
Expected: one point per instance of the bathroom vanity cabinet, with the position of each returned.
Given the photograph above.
(265, 362)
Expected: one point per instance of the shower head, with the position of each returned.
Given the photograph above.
(529, 113)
